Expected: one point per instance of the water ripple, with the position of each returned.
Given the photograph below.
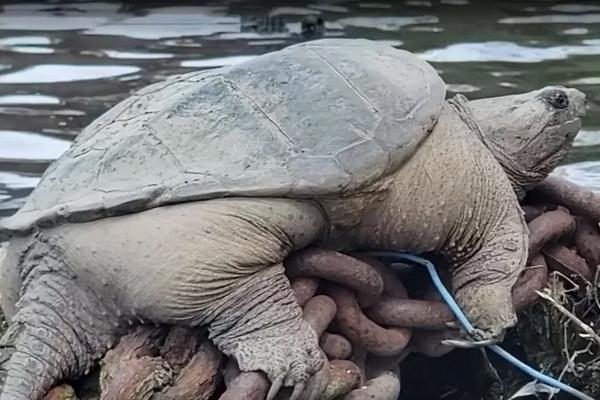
(56, 73)
(18, 99)
(585, 173)
(506, 51)
(216, 62)
(26, 41)
(30, 146)
(553, 19)
(170, 22)
(387, 23)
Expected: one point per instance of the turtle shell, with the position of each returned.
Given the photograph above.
(321, 118)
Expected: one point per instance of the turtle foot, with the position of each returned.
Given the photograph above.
(287, 359)
(473, 340)
(490, 311)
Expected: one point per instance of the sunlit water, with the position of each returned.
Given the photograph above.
(63, 64)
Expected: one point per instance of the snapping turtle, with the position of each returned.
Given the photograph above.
(179, 205)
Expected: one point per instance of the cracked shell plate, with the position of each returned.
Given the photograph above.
(320, 118)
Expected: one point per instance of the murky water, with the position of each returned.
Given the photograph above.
(63, 64)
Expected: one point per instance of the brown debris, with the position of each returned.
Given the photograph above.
(344, 376)
(567, 261)
(248, 386)
(198, 380)
(335, 347)
(361, 330)
(62, 392)
(319, 312)
(304, 289)
(579, 200)
(549, 228)
(533, 278)
(338, 268)
(409, 313)
(133, 370)
(383, 387)
(179, 347)
(587, 241)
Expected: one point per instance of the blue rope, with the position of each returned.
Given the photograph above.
(398, 255)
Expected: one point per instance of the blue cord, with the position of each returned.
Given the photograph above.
(398, 255)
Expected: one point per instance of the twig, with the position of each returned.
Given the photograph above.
(583, 326)
(575, 287)
(595, 288)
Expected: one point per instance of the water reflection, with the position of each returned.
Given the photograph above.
(18, 99)
(171, 22)
(30, 146)
(63, 64)
(386, 23)
(216, 62)
(507, 51)
(56, 73)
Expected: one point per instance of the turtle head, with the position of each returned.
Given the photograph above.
(530, 133)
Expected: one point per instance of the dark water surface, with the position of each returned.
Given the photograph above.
(63, 64)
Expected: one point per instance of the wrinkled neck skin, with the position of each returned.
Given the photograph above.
(444, 200)
(520, 178)
(527, 142)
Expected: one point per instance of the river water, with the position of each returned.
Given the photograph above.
(63, 64)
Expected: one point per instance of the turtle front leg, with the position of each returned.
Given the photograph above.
(483, 284)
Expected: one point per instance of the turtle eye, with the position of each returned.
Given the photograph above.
(559, 99)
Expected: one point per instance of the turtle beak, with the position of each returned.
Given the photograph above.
(579, 102)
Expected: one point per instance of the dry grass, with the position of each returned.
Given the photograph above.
(559, 334)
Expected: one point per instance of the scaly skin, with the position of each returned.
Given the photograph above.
(218, 262)
(215, 263)
(461, 207)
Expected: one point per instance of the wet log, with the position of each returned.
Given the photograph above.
(335, 347)
(133, 369)
(338, 268)
(564, 260)
(199, 378)
(429, 342)
(534, 277)
(304, 289)
(532, 211)
(587, 241)
(377, 365)
(579, 200)
(344, 376)
(62, 392)
(361, 330)
(179, 347)
(392, 284)
(383, 387)
(407, 313)
(247, 386)
(319, 312)
(549, 228)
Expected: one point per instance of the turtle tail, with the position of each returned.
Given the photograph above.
(57, 333)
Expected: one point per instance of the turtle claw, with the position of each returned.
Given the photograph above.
(475, 339)
(317, 384)
(452, 325)
(468, 344)
(289, 358)
(275, 387)
(298, 389)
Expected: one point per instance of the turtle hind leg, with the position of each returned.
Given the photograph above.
(261, 326)
(57, 333)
